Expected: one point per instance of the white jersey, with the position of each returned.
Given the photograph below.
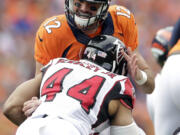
(164, 104)
(79, 91)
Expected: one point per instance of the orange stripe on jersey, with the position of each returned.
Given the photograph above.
(176, 48)
(157, 45)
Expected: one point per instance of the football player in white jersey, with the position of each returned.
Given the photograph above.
(163, 104)
(82, 97)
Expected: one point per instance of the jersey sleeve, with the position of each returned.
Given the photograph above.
(55, 39)
(46, 41)
(124, 23)
(125, 92)
(131, 36)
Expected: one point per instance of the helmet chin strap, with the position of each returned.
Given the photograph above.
(114, 66)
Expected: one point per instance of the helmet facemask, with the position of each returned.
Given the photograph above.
(86, 22)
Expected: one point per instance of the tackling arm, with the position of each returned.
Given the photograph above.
(122, 122)
(12, 108)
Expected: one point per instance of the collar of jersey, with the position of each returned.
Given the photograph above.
(89, 62)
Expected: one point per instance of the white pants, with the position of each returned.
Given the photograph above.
(47, 126)
(164, 104)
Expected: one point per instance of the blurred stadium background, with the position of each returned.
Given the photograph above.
(19, 20)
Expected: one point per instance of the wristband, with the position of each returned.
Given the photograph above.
(143, 79)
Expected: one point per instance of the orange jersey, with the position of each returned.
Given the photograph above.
(56, 38)
(176, 48)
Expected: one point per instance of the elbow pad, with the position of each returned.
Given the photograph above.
(131, 129)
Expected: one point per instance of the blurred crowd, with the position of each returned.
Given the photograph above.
(20, 19)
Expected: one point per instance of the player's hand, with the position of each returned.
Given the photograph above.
(133, 68)
(30, 106)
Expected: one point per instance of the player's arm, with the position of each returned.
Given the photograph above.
(122, 122)
(38, 68)
(140, 71)
(12, 108)
(136, 62)
(149, 84)
(43, 48)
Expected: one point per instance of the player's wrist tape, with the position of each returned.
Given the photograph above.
(143, 79)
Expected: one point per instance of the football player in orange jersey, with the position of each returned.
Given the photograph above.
(163, 104)
(67, 36)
